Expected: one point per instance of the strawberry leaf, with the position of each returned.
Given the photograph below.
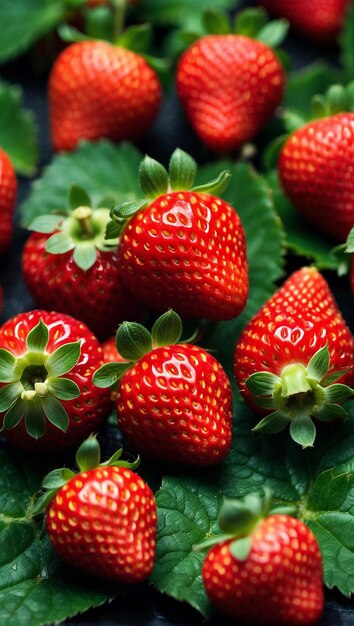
(18, 133)
(78, 197)
(180, 11)
(36, 589)
(302, 85)
(63, 359)
(37, 338)
(101, 168)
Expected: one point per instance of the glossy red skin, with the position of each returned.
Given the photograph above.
(299, 319)
(103, 522)
(175, 404)
(229, 86)
(8, 193)
(279, 583)
(187, 251)
(97, 297)
(88, 411)
(99, 90)
(315, 167)
(320, 21)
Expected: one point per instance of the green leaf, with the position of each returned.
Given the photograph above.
(85, 255)
(182, 170)
(7, 366)
(302, 85)
(25, 21)
(133, 341)
(350, 242)
(125, 210)
(8, 394)
(109, 374)
(153, 177)
(300, 239)
(136, 38)
(100, 168)
(250, 21)
(57, 478)
(240, 548)
(274, 33)
(18, 133)
(35, 418)
(318, 365)
(14, 415)
(45, 223)
(55, 412)
(338, 393)
(70, 34)
(252, 199)
(37, 338)
(216, 22)
(35, 588)
(59, 244)
(329, 412)
(180, 11)
(63, 359)
(303, 430)
(167, 329)
(332, 377)
(63, 388)
(216, 186)
(88, 456)
(272, 423)
(78, 197)
(346, 42)
(262, 383)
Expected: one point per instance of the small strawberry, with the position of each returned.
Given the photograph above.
(75, 270)
(110, 352)
(99, 90)
(264, 569)
(47, 397)
(103, 519)
(320, 21)
(229, 85)
(174, 400)
(313, 168)
(290, 353)
(8, 192)
(182, 249)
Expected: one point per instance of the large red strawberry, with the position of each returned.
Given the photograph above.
(101, 520)
(99, 90)
(174, 399)
(320, 21)
(47, 397)
(182, 249)
(75, 270)
(8, 191)
(229, 85)
(264, 569)
(290, 353)
(314, 168)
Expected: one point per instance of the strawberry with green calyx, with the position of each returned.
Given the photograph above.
(47, 397)
(182, 247)
(101, 520)
(290, 354)
(68, 266)
(263, 560)
(314, 160)
(174, 399)
(230, 81)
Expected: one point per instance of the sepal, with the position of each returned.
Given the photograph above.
(133, 341)
(303, 430)
(109, 374)
(153, 177)
(182, 170)
(216, 22)
(216, 186)
(240, 548)
(63, 359)
(46, 223)
(167, 329)
(78, 197)
(37, 338)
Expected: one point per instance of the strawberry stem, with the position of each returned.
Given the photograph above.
(83, 215)
(119, 8)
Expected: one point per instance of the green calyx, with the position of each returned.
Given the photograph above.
(299, 394)
(80, 229)
(33, 385)
(155, 181)
(134, 341)
(88, 457)
(238, 519)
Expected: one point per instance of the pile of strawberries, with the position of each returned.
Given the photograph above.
(98, 271)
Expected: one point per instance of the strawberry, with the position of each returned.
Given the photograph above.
(174, 399)
(75, 270)
(268, 561)
(229, 85)
(321, 22)
(47, 397)
(8, 192)
(313, 168)
(110, 352)
(289, 354)
(103, 519)
(99, 90)
(182, 249)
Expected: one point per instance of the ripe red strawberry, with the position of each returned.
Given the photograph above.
(182, 249)
(174, 400)
(313, 168)
(103, 519)
(320, 22)
(289, 354)
(268, 572)
(99, 90)
(47, 398)
(75, 270)
(8, 192)
(230, 86)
